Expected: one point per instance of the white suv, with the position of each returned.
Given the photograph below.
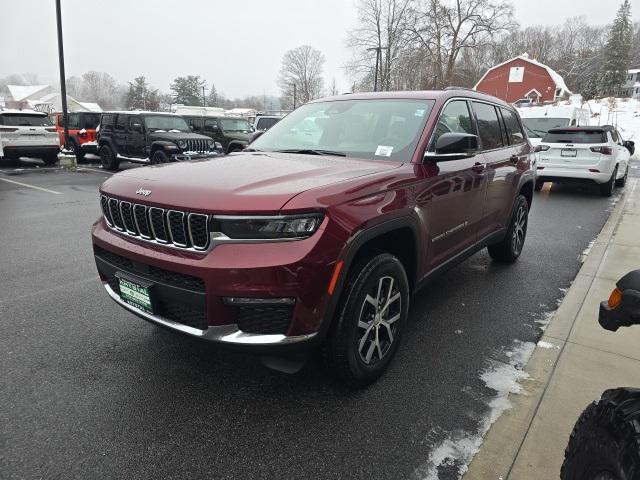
(590, 154)
(27, 133)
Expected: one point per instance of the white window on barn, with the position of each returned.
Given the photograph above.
(516, 74)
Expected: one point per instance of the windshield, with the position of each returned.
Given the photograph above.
(235, 125)
(575, 136)
(538, 127)
(165, 122)
(24, 120)
(385, 129)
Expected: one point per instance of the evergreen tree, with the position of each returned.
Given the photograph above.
(141, 96)
(617, 52)
(188, 90)
(212, 99)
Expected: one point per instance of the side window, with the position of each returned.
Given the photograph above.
(573, 122)
(455, 118)
(210, 125)
(90, 120)
(620, 139)
(134, 120)
(488, 125)
(614, 136)
(74, 120)
(515, 134)
(121, 122)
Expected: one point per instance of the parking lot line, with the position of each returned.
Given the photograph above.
(30, 186)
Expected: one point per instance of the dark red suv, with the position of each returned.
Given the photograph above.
(316, 235)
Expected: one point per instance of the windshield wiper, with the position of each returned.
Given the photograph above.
(310, 151)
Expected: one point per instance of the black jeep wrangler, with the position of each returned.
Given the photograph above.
(234, 133)
(149, 137)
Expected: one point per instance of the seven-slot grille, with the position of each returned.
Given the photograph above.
(197, 145)
(170, 227)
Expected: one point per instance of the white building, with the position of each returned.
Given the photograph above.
(631, 87)
(44, 98)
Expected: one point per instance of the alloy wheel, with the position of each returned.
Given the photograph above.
(377, 321)
(519, 229)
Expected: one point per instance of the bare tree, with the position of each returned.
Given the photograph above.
(102, 88)
(333, 88)
(301, 67)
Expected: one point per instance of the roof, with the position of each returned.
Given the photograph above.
(141, 112)
(555, 76)
(416, 95)
(20, 92)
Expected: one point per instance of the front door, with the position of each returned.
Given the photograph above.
(454, 191)
(120, 134)
(136, 138)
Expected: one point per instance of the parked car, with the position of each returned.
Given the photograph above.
(539, 120)
(605, 441)
(306, 242)
(265, 122)
(27, 133)
(82, 132)
(233, 133)
(584, 154)
(149, 137)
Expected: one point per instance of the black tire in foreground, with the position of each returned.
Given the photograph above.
(371, 318)
(108, 159)
(510, 247)
(50, 159)
(606, 189)
(621, 182)
(605, 442)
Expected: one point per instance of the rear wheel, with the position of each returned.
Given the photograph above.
(510, 247)
(621, 182)
(371, 320)
(50, 159)
(605, 442)
(108, 159)
(606, 189)
(77, 150)
(538, 186)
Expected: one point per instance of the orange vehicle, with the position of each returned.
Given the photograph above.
(82, 132)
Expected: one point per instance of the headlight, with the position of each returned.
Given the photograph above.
(257, 228)
(182, 143)
(211, 144)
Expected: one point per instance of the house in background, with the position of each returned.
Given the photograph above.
(631, 87)
(522, 77)
(44, 98)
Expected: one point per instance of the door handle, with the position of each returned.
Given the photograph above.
(478, 167)
(514, 158)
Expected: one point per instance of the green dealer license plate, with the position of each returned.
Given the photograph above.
(135, 293)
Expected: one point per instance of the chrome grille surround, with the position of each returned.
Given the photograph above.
(173, 228)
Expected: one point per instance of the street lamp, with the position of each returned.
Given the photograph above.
(63, 82)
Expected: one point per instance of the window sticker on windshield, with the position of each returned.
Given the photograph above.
(419, 112)
(384, 151)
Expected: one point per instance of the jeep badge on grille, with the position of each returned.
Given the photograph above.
(143, 191)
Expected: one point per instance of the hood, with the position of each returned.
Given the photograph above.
(243, 182)
(174, 136)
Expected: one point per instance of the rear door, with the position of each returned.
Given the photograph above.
(501, 166)
(454, 193)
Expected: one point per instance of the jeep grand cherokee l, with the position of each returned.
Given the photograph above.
(314, 238)
(149, 137)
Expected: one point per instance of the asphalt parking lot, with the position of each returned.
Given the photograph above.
(90, 391)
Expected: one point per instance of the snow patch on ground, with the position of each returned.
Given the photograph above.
(543, 344)
(457, 449)
(585, 252)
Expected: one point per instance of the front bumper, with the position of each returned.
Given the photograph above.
(300, 270)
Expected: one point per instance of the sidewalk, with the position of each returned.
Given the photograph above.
(574, 362)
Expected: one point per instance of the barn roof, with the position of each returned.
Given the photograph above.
(20, 92)
(555, 76)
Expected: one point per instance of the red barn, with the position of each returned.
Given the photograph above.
(523, 77)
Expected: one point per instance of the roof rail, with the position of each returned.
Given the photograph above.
(453, 87)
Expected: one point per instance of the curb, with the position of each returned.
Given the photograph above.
(504, 440)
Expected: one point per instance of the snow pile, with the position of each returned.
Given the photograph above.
(457, 449)
(623, 113)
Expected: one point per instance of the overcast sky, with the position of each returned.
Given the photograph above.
(238, 45)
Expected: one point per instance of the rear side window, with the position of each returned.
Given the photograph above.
(121, 122)
(210, 125)
(455, 118)
(195, 124)
(25, 120)
(90, 120)
(515, 135)
(575, 136)
(614, 136)
(488, 125)
(107, 120)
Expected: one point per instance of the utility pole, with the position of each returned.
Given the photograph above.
(63, 82)
(204, 99)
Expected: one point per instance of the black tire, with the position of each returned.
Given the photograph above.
(538, 186)
(108, 159)
(621, 182)
(234, 148)
(510, 247)
(361, 343)
(159, 157)
(606, 439)
(77, 150)
(606, 189)
(50, 159)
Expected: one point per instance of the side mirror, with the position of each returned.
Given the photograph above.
(256, 135)
(630, 145)
(454, 146)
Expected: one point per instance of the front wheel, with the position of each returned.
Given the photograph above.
(108, 159)
(370, 321)
(510, 247)
(159, 157)
(605, 442)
